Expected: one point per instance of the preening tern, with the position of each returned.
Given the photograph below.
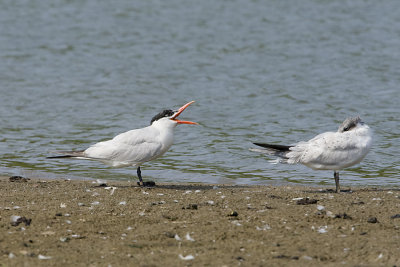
(330, 150)
(135, 147)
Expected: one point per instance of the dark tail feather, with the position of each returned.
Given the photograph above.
(275, 150)
(67, 154)
(278, 148)
(61, 156)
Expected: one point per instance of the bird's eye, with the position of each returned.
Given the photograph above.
(345, 129)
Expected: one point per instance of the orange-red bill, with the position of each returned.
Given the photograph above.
(180, 110)
(185, 122)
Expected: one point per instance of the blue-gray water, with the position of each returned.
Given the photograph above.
(74, 72)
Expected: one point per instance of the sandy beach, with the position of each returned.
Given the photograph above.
(111, 223)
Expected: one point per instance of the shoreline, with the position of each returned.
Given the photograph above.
(116, 223)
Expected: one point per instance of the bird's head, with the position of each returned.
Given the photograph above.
(170, 117)
(350, 124)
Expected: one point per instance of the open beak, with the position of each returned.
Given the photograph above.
(180, 110)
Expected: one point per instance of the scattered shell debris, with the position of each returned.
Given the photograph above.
(42, 257)
(308, 258)
(263, 228)
(210, 202)
(112, 188)
(189, 238)
(177, 237)
(323, 229)
(187, 257)
(48, 233)
(236, 222)
(65, 239)
(242, 225)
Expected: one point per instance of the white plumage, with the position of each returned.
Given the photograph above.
(134, 147)
(330, 150)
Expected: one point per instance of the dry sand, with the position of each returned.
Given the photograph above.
(83, 223)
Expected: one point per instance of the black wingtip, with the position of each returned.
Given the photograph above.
(274, 147)
(60, 157)
(66, 154)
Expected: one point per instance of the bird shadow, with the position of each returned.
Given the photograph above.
(181, 187)
(350, 191)
(188, 186)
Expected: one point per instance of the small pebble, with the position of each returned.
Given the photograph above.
(169, 234)
(191, 207)
(306, 201)
(372, 220)
(233, 214)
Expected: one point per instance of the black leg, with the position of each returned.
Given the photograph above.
(139, 174)
(336, 175)
(141, 183)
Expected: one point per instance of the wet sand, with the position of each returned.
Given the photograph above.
(84, 223)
